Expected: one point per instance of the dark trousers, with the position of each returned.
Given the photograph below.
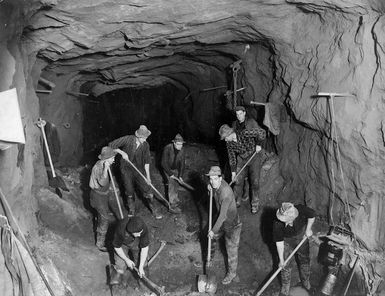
(104, 204)
(303, 260)
(172, 190)
(130, 180)
(232, 237)
(253, 172)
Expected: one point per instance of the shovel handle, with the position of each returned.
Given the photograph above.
(210, 226)
(116, 193)
(41, 123)
(280, 268)
(152, 186)
(240, 171)
(154, 286)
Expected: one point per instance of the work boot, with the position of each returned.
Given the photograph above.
(115, 275)
(228, 278)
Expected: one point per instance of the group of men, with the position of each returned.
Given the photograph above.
(243, 141)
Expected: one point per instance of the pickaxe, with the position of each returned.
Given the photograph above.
(162, 245)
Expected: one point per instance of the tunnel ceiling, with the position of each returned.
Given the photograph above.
(118, 44)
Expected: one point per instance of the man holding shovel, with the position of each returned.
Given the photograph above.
(173, 165)
(138, 151)
(227, 223)
(131, 236)
(243, 150)
(244, 122)
(292, 224)
(101, 197)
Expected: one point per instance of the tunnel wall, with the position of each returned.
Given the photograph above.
(21, 165)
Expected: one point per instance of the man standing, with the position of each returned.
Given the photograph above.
(240, 148)
(244, 122)
(101, 197)
(294, 222)
(131, 236)
(173, 165)
(227, 223)
(138, 151)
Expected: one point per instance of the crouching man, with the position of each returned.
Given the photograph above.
(227, 223)
(294, 222)
(131, 236)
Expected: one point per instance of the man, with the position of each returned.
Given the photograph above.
(101, 197)
(244, 122)
(294, 222)
(227, 223)
(240, 148)
(131, 236)
(173, 165)
(138, 151)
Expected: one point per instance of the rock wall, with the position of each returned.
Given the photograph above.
(20, 165)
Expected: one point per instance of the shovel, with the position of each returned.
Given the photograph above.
(245, 165)
(280, 268)
(57, 182)
(183, 183)
(152, 186)
(206, 282)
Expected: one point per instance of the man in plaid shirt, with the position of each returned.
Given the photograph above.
(241, 145)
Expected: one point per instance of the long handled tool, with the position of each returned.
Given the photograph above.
(206, 282)
(350, 276)
(280, 268)
(183, 183)
(152, 186)
(245, 165)
(14, 224)
(151, 284)
(162, 245)
(116, 194)
(56, 181)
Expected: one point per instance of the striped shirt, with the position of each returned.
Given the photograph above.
(245, 145)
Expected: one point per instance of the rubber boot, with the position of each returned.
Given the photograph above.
(115, 275)
(286, 279)
(155, 212)
(131, 205)
(100, 241)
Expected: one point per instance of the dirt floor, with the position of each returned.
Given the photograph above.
(72, 262)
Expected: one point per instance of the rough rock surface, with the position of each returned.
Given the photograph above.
(297, 49)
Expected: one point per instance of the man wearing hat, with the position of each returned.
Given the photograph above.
(240, 148)
(131, 237)
(101, 197)
(138, 151)
(244, 122)
(173, 165)
(292, 224)
(227, 221)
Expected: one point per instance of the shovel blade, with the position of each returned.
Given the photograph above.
(207, 284)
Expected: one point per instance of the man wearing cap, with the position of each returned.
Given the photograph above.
(101, 197)
(173, 165)
(227, 222)
(138, 151)
(241, 146)
(292, 224)
(244, 122)
(131, 236)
